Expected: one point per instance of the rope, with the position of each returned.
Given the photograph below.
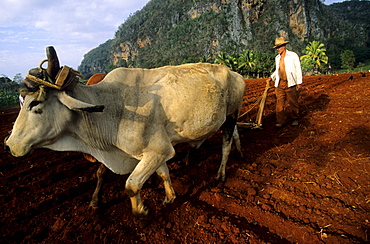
(42, 82)
(255, 104)
(264, 94)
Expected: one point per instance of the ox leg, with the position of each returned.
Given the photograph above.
(237, 141)
(187, 159)
(146, 167)
(164, 173)
(96, 197)
(227, 139)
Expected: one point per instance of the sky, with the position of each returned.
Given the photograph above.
(73, 27)
(328, 2)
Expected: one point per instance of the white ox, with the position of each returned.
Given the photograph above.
(143, 114)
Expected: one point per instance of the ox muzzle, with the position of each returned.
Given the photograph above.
(6, 148)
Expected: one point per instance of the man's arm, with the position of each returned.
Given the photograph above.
(298, 70)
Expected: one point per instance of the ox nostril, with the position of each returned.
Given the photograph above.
(5, 146)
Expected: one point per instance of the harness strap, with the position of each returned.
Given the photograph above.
(67, 79)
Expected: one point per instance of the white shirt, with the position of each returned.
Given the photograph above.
(21, 101)
(292, 68)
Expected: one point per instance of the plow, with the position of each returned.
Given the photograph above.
(261, 101)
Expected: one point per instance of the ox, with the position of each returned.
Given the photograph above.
(95, 79)
(131, 120)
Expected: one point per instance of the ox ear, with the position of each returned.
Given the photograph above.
(78, 105)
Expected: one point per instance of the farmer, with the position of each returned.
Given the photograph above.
(288, 83)
(21, 100)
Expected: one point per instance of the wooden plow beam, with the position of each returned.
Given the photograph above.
(261, 101)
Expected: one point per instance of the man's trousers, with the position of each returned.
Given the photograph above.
(287, 107)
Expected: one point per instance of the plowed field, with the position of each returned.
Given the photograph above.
(299, 184)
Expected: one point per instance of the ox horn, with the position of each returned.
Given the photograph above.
(53, 62)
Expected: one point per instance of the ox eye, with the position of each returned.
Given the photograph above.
(38, 111)
(34, 104)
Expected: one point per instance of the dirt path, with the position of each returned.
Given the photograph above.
(305, 184)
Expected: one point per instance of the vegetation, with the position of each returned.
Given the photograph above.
(351, 19)
(250, 63)
(97, 60)
(9, 91)
(315, 58)
(348, 60)
(170, 32)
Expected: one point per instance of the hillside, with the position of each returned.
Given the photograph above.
(170, 31)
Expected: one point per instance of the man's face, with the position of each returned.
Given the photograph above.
(281, 49)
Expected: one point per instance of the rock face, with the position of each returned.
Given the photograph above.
(169, 31)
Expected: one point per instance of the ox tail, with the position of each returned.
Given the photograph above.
(230, 131)
(229, 125)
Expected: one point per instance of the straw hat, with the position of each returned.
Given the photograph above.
(279, 42)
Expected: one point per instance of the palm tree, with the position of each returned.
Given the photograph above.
(246, 62)
(315, 55)
(227, 60)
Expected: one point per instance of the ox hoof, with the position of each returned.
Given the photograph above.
(94, 205)
(167, 201)
(142, 213)
(220, 178)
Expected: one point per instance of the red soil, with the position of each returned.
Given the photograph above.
(304, 184)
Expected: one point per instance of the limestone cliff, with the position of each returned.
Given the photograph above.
(169, 31)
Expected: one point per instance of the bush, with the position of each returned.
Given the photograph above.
(8, 98)
(348, 60)
(8, 92)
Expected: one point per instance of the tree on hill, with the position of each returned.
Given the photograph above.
(18, 78)
(348, 59)
(4, 79)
